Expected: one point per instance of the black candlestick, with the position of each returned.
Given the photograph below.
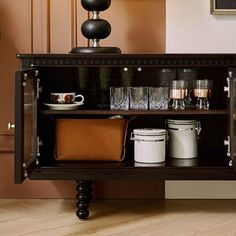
(96, 28)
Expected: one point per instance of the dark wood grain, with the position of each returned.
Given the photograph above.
(61, 72)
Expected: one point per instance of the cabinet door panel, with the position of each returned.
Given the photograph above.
(25, 123)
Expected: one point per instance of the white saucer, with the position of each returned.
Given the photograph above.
(63, 106)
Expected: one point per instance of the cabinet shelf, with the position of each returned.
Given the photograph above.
(136, 112)
(203, 160)
(204, 167)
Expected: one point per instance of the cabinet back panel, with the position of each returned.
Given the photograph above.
(94, 82)
(210, 141)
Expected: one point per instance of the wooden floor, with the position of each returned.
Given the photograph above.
(119, 218)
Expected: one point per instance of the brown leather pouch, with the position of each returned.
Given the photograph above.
(90, 139)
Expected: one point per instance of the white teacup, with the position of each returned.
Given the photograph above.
(65, 98)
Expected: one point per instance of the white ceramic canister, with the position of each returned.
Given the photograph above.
(183, 138)
(149, 145)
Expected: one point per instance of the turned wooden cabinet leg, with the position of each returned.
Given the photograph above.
(84, 196)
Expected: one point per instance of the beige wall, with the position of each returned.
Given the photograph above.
(53, 26)
(137, 26)
(13, 26)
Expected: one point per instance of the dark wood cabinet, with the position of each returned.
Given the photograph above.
(92, 75)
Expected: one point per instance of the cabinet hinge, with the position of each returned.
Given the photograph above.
(39, 143)
(227, 143)
(25, 171)
(230, 163)
(25, 79)
(39, 89)
(227, 88)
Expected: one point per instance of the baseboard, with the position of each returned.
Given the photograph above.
(129, 189)
(200, 189)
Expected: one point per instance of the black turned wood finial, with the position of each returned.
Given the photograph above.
(96, 28)
(84, 197)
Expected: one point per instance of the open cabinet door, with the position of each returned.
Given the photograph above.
(26, 89)
(232, 92)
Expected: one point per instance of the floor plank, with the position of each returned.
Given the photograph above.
(119, 218)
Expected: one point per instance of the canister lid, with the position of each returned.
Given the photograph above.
(149, 131)
(181, 122)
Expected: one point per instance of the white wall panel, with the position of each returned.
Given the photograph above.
(191, 28)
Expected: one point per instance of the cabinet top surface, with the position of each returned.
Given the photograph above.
(124, 55)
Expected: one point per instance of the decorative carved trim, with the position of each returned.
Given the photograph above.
(158, 60)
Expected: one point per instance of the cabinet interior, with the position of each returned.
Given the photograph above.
(94, 82)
